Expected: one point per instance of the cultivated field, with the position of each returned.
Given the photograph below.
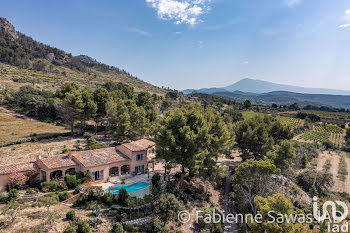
(290, 121)
(338, 164)
(321, 133)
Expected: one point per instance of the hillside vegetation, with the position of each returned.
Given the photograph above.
(24, 60)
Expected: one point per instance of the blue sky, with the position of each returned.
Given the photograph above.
(200, 43)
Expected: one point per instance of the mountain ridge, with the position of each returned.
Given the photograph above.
(257, 86)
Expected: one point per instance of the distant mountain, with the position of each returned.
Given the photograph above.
(23, 52)
(259, 87)
(265, 93)
(204, 90)
(287, 98)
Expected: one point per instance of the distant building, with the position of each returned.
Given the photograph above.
(133, 158)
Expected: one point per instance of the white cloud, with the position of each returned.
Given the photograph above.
(245, 63)
(292, 3)
(346, 19)
(347, 15)
(344, 25)
(138, 31)
(180, 11)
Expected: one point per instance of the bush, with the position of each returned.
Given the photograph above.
(147, 198)
(122, 196)
(108, 198)
(155, 179)
(167, 207)
(83, 227)
(4, 196)
(70, 215)
(70, 229)
(159, 227)
(63, 196)
(77, 190)
(118, 217)
(51, 186)
(131, 228)
(117, 228)
(71, 181)
(12, 195)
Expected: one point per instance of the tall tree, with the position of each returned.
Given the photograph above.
(182, 137)
(276, 205)
(256, 136)
(70, 108)
(90, 107)
(255, 178)
(121, 122)
(101, 96)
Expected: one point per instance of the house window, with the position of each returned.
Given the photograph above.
(140, 169)
(139, 157)
(97, 175)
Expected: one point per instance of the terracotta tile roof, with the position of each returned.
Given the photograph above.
(20, 167)
(58, 161)
(139, 145)
(99, 157)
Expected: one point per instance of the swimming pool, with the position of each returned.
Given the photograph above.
(129, 188)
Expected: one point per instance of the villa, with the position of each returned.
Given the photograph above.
(104, 164)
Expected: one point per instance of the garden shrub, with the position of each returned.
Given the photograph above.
(77, 190)
(122, 196)
(83, 227)
(70, 215)
(51, 186)
(108, 198)
(70, 229)
(147, 198)
(118, 217)
(117, 228)
(155, 179)
(4, 196)
(63, 196)
(12, 195)
(71, 181)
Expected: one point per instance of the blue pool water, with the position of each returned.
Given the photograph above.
(129, 188)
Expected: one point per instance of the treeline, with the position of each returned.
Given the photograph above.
(325, 108)
(114, 106)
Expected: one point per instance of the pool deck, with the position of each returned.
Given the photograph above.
(128, 181)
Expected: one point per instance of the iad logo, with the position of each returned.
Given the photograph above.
(335, 216)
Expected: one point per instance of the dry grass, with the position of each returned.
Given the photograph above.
(26, 152)
(15, 126)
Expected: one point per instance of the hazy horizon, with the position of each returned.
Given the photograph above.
(196, 44)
